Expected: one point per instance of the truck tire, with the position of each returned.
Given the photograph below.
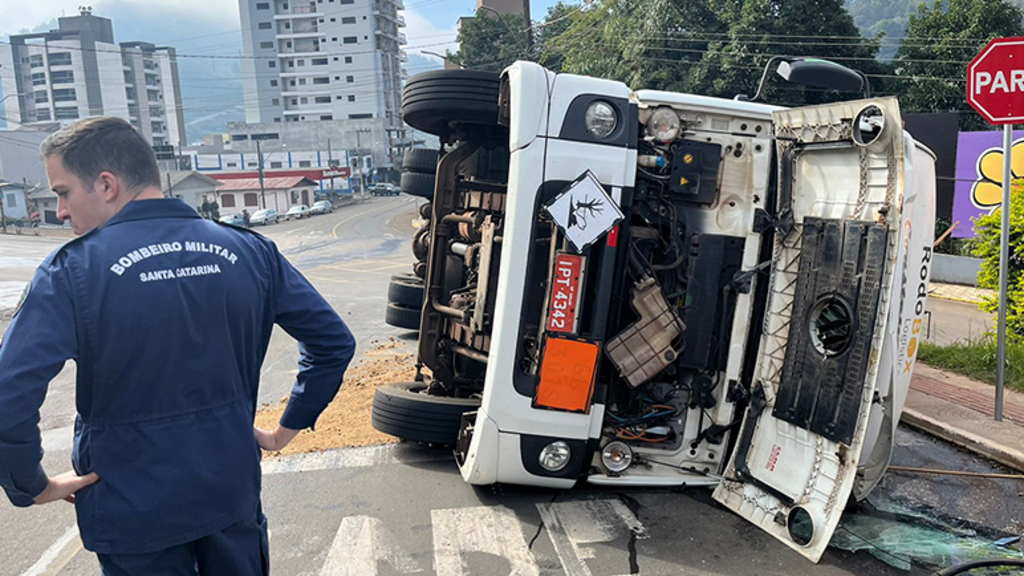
(410, 278)
(406, 294)
(422, 160)
(403, 316)
(405, 410)
(416, 184)
(421, 244)
(436, 101)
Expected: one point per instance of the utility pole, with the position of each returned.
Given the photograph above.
(263, 193)
(529, 28)
(3, 214)
(330, 166)
(359, 159)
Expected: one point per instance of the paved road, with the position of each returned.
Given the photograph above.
(404, 509)
(953, 321)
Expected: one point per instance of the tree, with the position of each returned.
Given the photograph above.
(490, 42)
(760, 29)
(650, 44)
(940, 41)
(989, 231)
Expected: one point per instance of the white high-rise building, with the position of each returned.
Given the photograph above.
(309, 60)
(78, 71)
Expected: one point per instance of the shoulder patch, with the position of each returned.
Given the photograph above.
(24, 295)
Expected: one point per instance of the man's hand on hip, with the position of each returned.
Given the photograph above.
(64, 486)
(276, 440)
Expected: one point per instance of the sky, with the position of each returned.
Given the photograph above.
(212, 87)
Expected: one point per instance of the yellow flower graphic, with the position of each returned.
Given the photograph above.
(987, 193)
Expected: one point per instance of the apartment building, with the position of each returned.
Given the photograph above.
(77, 71)
(311, 60)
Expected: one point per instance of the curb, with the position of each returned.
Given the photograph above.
(953, 299)
(1002, 454)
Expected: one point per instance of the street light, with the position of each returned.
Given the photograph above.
(259, 164)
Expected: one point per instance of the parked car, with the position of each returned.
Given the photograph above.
(233, 219)
(296, 212)
(322, 207)
(648, 288)
(264, 217)
(384, 189)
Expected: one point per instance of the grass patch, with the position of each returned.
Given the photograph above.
(977, 359)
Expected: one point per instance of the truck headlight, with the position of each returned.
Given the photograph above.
(664, 124)
(617, 456)
(555, 456)
(601, 119)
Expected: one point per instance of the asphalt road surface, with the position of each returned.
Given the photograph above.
(404, 509)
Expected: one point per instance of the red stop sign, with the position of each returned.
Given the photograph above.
(995, 81)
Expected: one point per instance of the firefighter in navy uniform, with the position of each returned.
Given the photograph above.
(168, 317)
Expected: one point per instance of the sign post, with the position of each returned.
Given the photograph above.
(995, 88)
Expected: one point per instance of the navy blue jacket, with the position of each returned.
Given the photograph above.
(167, 317)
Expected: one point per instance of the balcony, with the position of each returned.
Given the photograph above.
(299, 12)
(401, 21)
(401, 38)
(402, 56)
(294, 35)
(302, 54)
(297, 112)
(294, 92)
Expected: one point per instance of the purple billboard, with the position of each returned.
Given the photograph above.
(979, 176)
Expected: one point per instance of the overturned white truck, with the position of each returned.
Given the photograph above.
(643, 288)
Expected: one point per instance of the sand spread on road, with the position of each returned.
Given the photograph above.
(346, 421)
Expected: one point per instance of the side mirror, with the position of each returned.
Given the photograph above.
(815, 72)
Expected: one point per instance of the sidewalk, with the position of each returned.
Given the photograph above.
(959, 293)
(960, 410)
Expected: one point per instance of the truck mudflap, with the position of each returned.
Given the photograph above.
(841, 185)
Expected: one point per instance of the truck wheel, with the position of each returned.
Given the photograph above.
(437, 101)
(408, 278)
(416, 184)
(403, 316)
(421, 244)
(407, 411)
(406, 294)
(422, 160)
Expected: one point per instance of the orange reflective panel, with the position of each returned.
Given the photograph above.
(567, 372)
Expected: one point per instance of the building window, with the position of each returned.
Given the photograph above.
(64, 95)
(334, 19)
(348, 59)
(351, 98)
(350, 79)
(252, 199)
(291, 64)
(337, 98)
(39, 79)
(291, 82)
(231, 164)
(277, 119)
(326, 117)
(274, 165)
(322, 100)
(35, 61)
(301, 62)
(302, 81)
(304, 163)
(273, 83)
(227, 200)
(130, 93)
(156, 127)
(335, 58)
(295, 101)
(266, 45)
(275, 101)
(156, 111)
(346, 1)
(348, 20)
(272, 64)
(322, 80)
(350, 39)
(12, 201)
(359, 116)
(263, 5)
(41, 97)
(66, 113)
(266, 136)
(264, 26)
(304, 100)
(252, 164)
(60, 59)
(288, 44)
(239, 137)
(42, 114)
(335, 39)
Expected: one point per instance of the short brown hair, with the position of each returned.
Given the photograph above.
(104, 144)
